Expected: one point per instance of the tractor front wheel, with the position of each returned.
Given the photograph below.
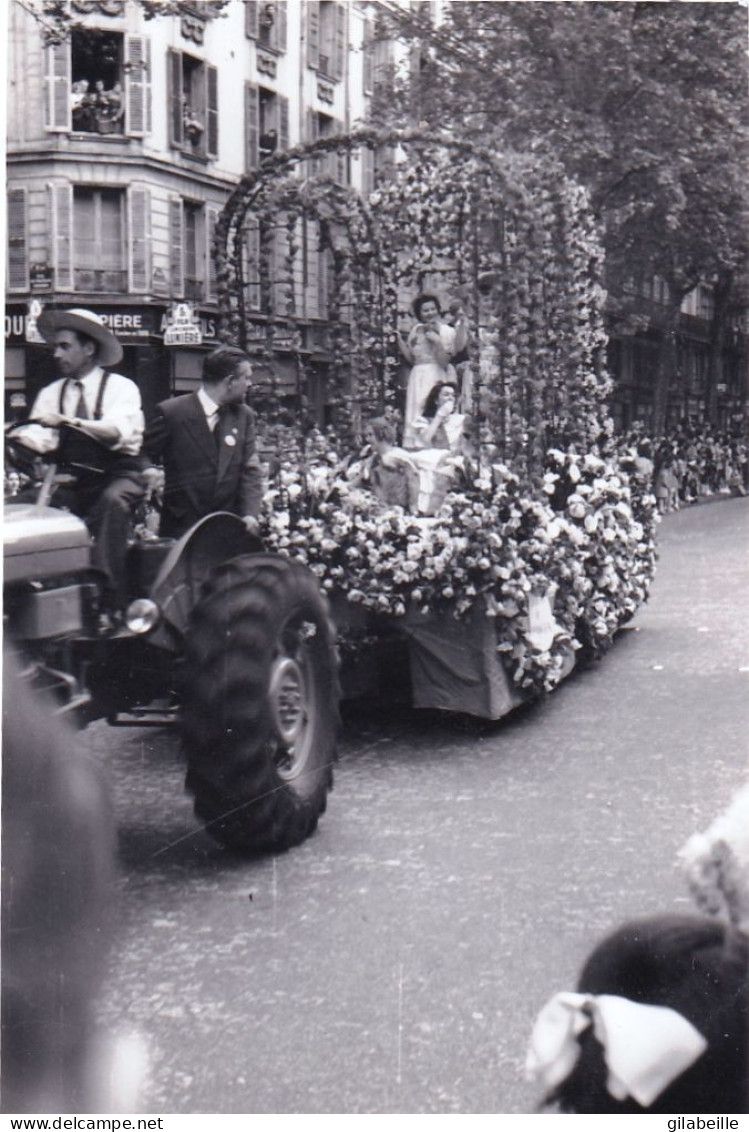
(260, 709)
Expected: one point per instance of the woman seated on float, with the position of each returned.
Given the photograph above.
(440, 425)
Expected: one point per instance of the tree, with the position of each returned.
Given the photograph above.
(646, 104)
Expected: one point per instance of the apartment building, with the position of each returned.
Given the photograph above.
(711, 373)
(124, 142)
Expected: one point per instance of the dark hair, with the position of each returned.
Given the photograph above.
(432, 399)
(425, 297)
(222, 363)
(694, 965)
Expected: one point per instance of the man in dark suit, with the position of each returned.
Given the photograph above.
(206, 441)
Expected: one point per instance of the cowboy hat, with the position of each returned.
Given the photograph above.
(82, 322)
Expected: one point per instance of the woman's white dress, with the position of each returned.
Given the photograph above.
(425, 373)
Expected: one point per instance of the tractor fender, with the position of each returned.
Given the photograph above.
(215, 539)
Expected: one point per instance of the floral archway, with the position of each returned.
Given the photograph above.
(549, 516)
(508, 235)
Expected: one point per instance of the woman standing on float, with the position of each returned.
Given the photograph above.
(428, 349)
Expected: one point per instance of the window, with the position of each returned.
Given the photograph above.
(99, 238)
(99, 253)
(194, 251)
(98, 82)
(333, 165)
(191, 228)
(267, 23)
(326, 37)
(266, 124)
(193, 104)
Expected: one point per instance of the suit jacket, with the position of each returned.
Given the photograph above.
(204, 472)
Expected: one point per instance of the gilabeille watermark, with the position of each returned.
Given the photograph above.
(679, 1123)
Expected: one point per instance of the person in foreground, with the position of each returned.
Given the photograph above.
(90, 421)
(658, 1024)
(206, 441)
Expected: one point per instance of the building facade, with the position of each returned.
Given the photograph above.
(711, 379)
(124, 142)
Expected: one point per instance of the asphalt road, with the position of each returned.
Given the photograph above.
(394, 963)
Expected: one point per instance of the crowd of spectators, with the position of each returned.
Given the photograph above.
(690, 464)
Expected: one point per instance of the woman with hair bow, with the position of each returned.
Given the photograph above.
(660, 1019)
(658, 1023)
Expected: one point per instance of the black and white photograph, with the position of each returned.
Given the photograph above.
(375, 732)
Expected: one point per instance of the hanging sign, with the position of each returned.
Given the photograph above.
(182, 326)
(41, 277)
(34, 314)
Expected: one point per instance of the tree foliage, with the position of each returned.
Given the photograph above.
(646, 104)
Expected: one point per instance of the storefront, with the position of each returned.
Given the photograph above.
(159, 369)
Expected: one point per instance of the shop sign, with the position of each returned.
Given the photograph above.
(182, 326)
(130, 324)
(41, 277)
(35, 309)
(207, 327)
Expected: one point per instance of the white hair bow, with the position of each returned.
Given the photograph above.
(645, 1047)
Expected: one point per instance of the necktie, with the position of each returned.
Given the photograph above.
(217, 427)
(81, 412)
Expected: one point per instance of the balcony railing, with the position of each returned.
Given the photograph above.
(194, 290)
(86, 280)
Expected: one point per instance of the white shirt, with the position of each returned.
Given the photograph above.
(210, 408)
(121, 409)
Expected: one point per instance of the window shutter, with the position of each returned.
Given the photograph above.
(175, 97)
(176, 247)
(313, 34)
(18, 241)
(61, 208)
(57, 88)
(280, 27)
(339, 42)
(139, 218)
(339, 161)
(251, 28)
(283, 121)
(323, 282)
(252, 125)
(367, 170)
(367, 57)
(212, 111)
(211, 288)
(137, 85)
(313, 125)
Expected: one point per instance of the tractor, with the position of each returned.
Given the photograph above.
(235, 643)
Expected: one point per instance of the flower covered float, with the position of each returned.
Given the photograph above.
(537, 545)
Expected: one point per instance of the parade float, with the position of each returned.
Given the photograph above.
(502, 563)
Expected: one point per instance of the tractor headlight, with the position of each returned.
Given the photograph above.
(142, 616)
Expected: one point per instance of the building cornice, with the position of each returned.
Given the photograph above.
(48, 162)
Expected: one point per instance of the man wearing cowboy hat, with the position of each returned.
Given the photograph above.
(206, 441)
(92, 421)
